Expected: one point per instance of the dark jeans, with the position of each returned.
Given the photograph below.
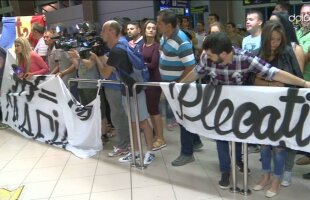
(307, 154)
(224, 154)
(188, 140)
(169, 113)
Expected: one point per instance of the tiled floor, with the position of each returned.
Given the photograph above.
(48, 172)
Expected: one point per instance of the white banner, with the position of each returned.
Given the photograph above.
(42, 109)
(250, 114)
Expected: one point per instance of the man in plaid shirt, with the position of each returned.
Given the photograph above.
(221, 64)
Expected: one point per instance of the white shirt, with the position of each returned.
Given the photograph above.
(41, 47)
(200, 38)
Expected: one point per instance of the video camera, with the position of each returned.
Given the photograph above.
(85, 40)
(96, 45)
(65, 43)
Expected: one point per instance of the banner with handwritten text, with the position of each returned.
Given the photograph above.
(43, 109)
(250, 114)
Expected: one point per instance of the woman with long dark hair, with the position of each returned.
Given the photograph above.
(150, 51)
(292, 40)
(276, 51)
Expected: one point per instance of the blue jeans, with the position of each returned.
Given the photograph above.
(224, 155)
(278, 159)
(188, 140)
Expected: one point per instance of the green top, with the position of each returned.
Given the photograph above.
(304, 41)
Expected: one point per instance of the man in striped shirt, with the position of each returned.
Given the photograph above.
(222, 64)
(176, 61)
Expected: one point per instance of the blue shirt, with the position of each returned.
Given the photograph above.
(251, 44)
(176, 53)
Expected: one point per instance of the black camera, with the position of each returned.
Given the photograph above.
(95, 45)
(99, 47)
(65, 43)
(84, 53)
(85, 39)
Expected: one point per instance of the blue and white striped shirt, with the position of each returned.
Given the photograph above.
(176, 53)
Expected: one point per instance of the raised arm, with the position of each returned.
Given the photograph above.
(285, 77)
(37, 65)
(190, 77)
(69, 70)
(101, 61)
(42, 65)
(300, 56)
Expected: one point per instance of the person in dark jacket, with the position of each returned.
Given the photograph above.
(274, 49)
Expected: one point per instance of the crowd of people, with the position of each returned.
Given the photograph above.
(271, 54)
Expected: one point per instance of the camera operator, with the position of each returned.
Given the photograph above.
(87, 69)
(88, 45)
(114, 97)
(85, 63)
(60, 62)
(118, 61)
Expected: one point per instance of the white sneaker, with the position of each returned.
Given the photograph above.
(128, 158)
(287, 179)
(118, 152)
(148, 158)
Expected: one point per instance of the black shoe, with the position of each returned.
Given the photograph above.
(241, 168)
(197, 147)
(183, 160)
(306, 176)
(104, 139)
(224, 182)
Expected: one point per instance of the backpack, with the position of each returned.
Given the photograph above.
(140, 69)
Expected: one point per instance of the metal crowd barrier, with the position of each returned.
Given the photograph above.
(100, 81)
(245, 191)
(135, 99)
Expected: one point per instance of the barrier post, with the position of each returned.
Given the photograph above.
(245, 191)
(152, 84)
(137, 121)
(234, 188)
(129, 124)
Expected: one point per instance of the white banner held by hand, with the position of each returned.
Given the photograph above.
(249, 114)
(43, 109)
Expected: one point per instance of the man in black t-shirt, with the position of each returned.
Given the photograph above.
(118, 61)
(118, 58)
